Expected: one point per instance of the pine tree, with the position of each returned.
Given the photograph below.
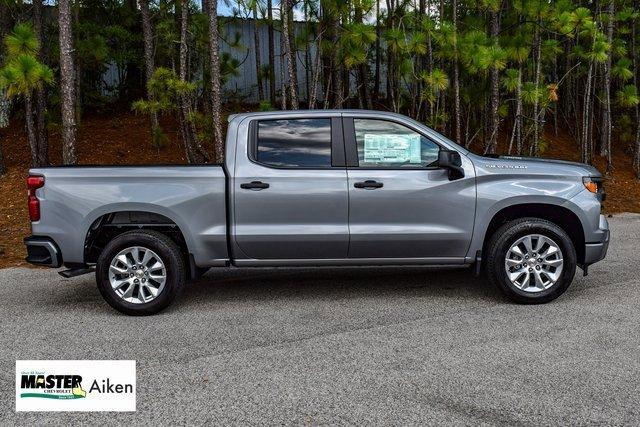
(214, 62)
(67, 83)
(147, 31)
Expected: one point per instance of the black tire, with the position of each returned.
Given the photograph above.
(506, 236)
(171, 257)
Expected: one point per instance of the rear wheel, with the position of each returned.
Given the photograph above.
(140, 272)
(531, 260)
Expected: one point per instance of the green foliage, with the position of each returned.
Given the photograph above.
(394, 38)
(22, 41)
(355, 43)
(599, 50)
(622, 69)
(265, 106)
(420, 54)
(551, 48)
(503, 110)
(165, 88)
(159, 139)
(22, 73)
(229, 66)
(627, 97)
(437, 80)
(530, 93)
(518, 48)
(626, 128)
(511, 79)
(204, 126)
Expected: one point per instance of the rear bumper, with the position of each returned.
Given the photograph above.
(43, 251)
(594, 252)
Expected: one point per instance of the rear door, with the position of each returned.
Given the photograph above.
(290, 190)
(401, 204)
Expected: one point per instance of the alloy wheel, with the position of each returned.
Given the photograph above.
(137, 274)
(534, 263)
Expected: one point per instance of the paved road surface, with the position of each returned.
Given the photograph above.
(338, 346)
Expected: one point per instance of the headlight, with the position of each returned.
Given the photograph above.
(594, 185)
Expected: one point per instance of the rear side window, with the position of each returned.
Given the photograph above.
(304, 143)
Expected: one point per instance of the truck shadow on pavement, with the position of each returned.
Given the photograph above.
(260, 285)
(339, 283)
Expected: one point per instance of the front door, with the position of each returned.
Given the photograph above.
(401, 205)
(290, 190)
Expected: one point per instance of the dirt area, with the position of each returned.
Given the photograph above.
(126, 139)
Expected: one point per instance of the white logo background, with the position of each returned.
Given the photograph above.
(117, 371)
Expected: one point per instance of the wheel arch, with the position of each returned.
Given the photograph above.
(109, 225)
(561, 216)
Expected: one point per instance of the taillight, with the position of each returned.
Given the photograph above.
(33, 183)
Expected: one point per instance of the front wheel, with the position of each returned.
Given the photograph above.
(531, 260)
(140, 272)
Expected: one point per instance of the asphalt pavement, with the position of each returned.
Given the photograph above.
(346, 346)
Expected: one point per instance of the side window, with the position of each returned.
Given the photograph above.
(386, 144)
(294, 143)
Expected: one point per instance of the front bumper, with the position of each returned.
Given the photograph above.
(594, 252)
(43, 251)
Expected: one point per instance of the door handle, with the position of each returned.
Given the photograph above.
(254, 185)
(368, 184)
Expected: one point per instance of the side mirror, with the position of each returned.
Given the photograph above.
(451, 160)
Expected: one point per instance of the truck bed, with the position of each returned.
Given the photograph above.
(192, 197)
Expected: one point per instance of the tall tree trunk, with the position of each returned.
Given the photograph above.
(194, 150)
(376, 82)
(31, 132)
(187, 135)
(538, 71)
(204, 66)
(284, 91)
(67, 79)
(363, 70)
(288, 54)
(308, 66)
(313, 96)
(555, 110)
(606, 110)
(636, 151)
(428, 115)
(337, 83)
(456, 77)
(41, 95)
(494, 119)
(147, 31)
(5, 25)
(78, 63)
(216, 101)
(567, 98)
(256, 46)
(5, 19)
(586, 123)
(293, 47)
(419, 67)
(272, 54)
(517, 120)
(391, 60)
(4, 122)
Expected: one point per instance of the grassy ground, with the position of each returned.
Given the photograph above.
(125, 139)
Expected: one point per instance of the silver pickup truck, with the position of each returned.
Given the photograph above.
(319, 188)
